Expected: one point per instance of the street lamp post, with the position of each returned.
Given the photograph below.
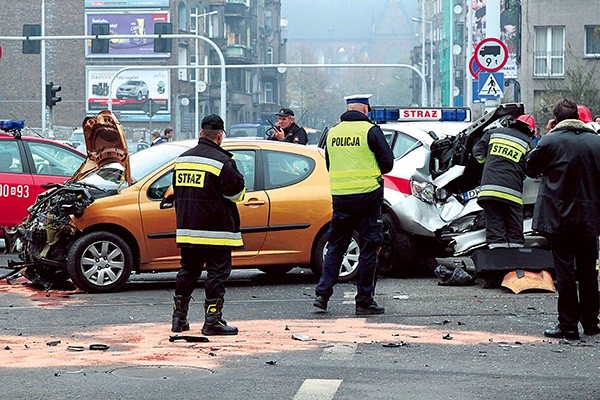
(196, 70)
(422, 21)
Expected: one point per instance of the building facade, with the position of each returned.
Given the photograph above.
(553, 51)
(147, 88)
(560, 55)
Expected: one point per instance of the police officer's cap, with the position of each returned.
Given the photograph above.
(359, 98)
(213, 122)
(285, 112)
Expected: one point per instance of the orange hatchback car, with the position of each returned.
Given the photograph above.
(98, 230)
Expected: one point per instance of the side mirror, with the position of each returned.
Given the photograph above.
(168, 199)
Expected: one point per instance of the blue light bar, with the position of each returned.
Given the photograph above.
(12, 125)
(382, 114)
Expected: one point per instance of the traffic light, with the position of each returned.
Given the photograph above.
(162, 45)
(51, 94)
(100, 46)
(31, 46)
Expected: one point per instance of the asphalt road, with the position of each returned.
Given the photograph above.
(433, 342)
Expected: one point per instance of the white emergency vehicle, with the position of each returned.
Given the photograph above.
(430, 197)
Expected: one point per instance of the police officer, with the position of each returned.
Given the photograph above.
(503, 151)
(287, 130)
(207, 185)
(357, 155)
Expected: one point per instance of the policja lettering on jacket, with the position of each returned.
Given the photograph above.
(345, 141)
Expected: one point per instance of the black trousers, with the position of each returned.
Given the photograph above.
(369, 225)
(575, 260)
(193, 261)
(504, 223)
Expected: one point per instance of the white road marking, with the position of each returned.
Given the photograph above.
(318, 389)
(339, 351)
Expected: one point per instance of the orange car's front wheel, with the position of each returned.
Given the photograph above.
(99, 262)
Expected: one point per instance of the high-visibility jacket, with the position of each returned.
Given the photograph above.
(353, 168)
(207, 184)
(503, 152)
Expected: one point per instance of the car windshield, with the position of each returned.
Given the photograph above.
(142, 163)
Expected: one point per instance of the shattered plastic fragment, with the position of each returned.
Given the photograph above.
(447, 336)
(188, 338)
(301, 337)
(53, 343)
(395, 344)
(98, 346)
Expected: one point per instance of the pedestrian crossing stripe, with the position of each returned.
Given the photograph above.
(491, 88)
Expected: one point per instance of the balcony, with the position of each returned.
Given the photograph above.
(236, 8)
(239, 53)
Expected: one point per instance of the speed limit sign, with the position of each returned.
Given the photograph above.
(491, 54)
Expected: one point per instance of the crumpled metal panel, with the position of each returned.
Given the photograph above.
(105, 143)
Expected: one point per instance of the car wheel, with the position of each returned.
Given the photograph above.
(140, 96)
(398, 254)
(99, 262)
(349, 267)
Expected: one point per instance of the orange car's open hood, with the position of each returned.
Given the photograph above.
(105, 143)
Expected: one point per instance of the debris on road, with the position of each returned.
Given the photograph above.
(301, 337)
(189, 338)
(395, 344)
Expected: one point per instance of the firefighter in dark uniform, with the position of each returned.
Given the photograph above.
(207, 185)
(503, 151)
(287, 130)
(357, 155)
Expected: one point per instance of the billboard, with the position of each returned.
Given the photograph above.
(125, 3)
(126, 22)
(135, 95)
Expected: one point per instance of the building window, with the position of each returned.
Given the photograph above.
(182, 17)
(194, 20)
(193, 71)
(269, 92)
(269, 55)
(592, 41)
(549, 51)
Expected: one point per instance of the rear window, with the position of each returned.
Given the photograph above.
(401, 143)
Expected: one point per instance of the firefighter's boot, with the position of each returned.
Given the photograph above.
(181, 305)
(213, 324)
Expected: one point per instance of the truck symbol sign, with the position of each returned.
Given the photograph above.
(490, 51)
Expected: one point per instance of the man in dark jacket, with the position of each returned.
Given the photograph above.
(286, 129)
(501, 196)
(567, 210)
(357, 155)
(207, 184)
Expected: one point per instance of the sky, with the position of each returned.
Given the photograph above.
(343, 18)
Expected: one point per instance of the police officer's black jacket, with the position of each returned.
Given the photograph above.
(568, 161)
(385, 159)
(207, 184)
(293, 134)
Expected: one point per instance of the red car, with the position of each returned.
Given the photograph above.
(27, 163)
